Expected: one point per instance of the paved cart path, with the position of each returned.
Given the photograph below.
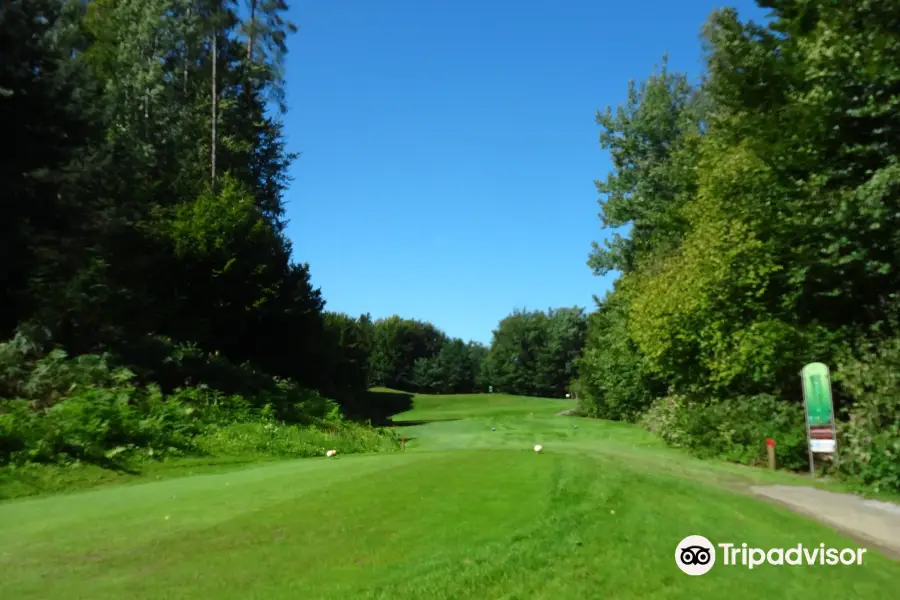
(871, 521)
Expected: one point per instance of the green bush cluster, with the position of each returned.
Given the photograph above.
(185, 366)
(57, 409)
(869, 436)
(96, 424)
(735, 430)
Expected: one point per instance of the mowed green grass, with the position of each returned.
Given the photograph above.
(465, 512)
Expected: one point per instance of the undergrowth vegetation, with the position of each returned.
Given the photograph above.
(735, 430)
(61, 410)
(869, 435)
(272, 438)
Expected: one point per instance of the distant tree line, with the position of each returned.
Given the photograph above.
(531, 353)
(535, 353)
(764, 213)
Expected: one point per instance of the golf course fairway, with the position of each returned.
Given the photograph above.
(469, 510)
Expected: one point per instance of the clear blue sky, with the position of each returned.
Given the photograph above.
(449, 147)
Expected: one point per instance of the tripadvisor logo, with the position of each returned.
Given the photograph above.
(696, 555)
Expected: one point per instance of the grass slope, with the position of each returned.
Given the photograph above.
(465, 512)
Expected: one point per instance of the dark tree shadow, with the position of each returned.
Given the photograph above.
(378, 407)
(411, 423)
(113, 465)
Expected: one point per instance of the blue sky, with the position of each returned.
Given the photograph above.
(448, 148)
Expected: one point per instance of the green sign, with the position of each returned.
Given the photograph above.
(817, 394)
(819, 410)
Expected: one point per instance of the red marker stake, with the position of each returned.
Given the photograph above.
(770, 450)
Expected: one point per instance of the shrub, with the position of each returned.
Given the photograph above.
(733, 430)
(43, 378)
(97, 424)
(184, 366)
(662, 419)
(869, 438)
(61, 410)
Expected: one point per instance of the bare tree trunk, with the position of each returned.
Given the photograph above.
(252, 32)
(251, 39)
(186, 59)
(215, 59)
(147, 89)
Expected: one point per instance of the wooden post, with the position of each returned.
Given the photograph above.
(770, 450)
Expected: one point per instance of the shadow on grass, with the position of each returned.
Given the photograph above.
(425, 422)
(115, 465)
(378, 407)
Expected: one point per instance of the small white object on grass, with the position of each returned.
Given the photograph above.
(493, 429)
(568, 396)
(538, 448)
(330, 453)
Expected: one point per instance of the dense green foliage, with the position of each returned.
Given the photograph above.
(84, 409)
(535, 353)
(416, 356)
(763, 204)
(396, 346)
(118, 227)
(148, 290)
(454, 369)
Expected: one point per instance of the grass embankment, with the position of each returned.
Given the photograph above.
(466, 512)
(222, 448)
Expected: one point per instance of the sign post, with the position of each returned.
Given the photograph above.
(770, 451)
(820, 430)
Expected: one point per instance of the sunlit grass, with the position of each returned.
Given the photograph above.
(468, 511)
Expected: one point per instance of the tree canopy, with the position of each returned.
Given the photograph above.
(763, 204)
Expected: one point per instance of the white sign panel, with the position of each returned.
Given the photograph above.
(822, 446)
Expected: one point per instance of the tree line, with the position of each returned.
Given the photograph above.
(764, 211)
(149, 290)
(144, 202)
(531, 353)
(144, 271)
